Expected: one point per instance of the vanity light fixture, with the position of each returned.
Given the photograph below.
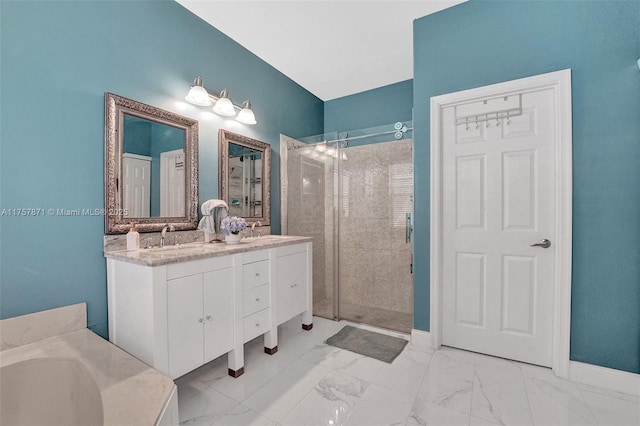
(223, 105)
(246, 115)
(197, 94)
(201, 96)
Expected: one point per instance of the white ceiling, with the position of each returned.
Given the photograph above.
(332, 48)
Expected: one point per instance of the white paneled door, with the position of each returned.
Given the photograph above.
(498, 181)
(136, 191)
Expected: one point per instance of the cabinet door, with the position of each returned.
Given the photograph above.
(291, 286)
(184, 310)
(218, 312)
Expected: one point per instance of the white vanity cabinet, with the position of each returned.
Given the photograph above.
(181, 308)
(199, 319)
(256, 294)
(174, 317)
(293, 275)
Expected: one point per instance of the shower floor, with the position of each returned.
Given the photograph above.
(383, 318)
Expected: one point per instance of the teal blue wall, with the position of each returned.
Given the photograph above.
(484, 42)
(376, 107)
(57, 60)
(137, 136)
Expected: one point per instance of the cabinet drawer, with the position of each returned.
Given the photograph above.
(255, 274)
(255, 256)
(256, 324)
(256, 299)
(291, 249)
(184, 269)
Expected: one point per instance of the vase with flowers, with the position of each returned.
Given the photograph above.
(231, 227)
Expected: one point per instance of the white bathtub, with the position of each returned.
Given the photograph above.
(49, 391)
(76, 378)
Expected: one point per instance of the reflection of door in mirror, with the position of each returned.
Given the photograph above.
(245, 181)
(153, 168)
(136, 175)
(172, 183)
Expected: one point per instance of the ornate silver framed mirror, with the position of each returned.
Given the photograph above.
(245, 176)
(151, 167)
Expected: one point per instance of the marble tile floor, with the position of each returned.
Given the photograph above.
(309, 383)
(384, 318)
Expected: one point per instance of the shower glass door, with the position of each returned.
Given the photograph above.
(354, 197)
(374, 248)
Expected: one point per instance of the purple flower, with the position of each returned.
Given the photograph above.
(233, 224)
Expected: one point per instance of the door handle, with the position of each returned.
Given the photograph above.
(542, 243)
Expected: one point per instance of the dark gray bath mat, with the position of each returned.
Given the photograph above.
(368, 343)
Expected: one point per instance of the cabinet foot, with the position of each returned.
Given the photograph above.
(237, 373)
(271, 351)
(307, 326)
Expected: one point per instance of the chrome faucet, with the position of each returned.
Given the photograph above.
(253, 225)
(166, 227)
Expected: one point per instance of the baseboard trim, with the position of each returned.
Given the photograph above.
(421, 339)
(616, 380)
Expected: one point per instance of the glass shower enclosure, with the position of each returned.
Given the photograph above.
(353, 193)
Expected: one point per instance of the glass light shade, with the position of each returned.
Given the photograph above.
(198, 95)
(224, 106)
(246, 114)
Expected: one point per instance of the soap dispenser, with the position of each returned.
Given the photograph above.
(133, 238)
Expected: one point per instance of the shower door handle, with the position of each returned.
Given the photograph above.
(409, 228)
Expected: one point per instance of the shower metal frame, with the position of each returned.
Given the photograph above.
(343, 142)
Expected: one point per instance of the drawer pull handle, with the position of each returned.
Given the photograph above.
(200, 320)
(209, 318)
(257, 274)
(257, 324)
(257, 299)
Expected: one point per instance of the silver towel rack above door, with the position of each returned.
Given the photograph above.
(504, 107)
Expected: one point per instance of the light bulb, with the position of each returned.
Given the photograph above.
(246, 114)
(198, 95)
(224, 106)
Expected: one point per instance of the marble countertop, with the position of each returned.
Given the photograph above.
(131, 391)
(158, 256)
